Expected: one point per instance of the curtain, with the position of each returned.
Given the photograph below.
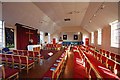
(23, 37)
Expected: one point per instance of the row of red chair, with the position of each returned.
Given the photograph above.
(53, 46)
(8, 73)
(91, 72)
(108, 62)
(97, 64)
(111, 55)
(21, 61)
(34, 55)
(59, 66)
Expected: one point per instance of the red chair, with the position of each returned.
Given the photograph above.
(4, 60)
(107, 54)
(38, 56)
(103, 52)
(118, 58)
(25, 52)
(28, 64)
(113, 56)
(31, 55)
(9, 73)
(20, 52)
(17, 60)
(99, 57)
(104, 60)
(88, 68)
(92, 74)
(9, 58)
(15, 52)
(117, 69)
(111, 65)
(95, 54)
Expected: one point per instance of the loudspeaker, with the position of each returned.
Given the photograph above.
(46, 34)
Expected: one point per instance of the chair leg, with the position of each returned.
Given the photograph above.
(27, 69)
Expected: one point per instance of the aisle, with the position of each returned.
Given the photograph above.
(74, 68)
(68, 73)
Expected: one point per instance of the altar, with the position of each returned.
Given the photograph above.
(34, 47)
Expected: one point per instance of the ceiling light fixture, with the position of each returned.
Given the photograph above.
(73, 12)
(101, 7)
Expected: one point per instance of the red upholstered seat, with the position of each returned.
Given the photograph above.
(95, 54)
(20, 52)
(93, 74)
(103, 52)
(16, 58)
(118, 58)
(107, 54)
(99, 57)
(36, 54)
(112, 56)
(87, 67)
(9, 57)
(10, 72)
(118, 69)
(15, 52)
(111, 64)
(3, 57)
(31, 54)
(25, 53)
(104, 60)
(26, 62)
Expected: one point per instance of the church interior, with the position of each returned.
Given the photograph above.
(59, 40)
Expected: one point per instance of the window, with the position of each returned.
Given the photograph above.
(9, 38)
(115, 34)
(49, 38)
(2, 36)
(92, 37)
(41, 37)
(99, 36)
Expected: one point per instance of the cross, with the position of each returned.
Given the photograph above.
(29, 33)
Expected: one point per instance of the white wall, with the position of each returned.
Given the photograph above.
(0, 11)
(70, 36)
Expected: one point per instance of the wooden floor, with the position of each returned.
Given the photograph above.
(68, 73)
(39, 69)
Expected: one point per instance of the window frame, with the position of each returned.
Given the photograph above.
(92, 37)
(115, 31)
(99, 36)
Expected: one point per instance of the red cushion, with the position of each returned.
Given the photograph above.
(104, 59)
(111, 63)
(25, 62)
(9, 72)
(9, 59)
(16, 61)
(118, 67)
(3, 59)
